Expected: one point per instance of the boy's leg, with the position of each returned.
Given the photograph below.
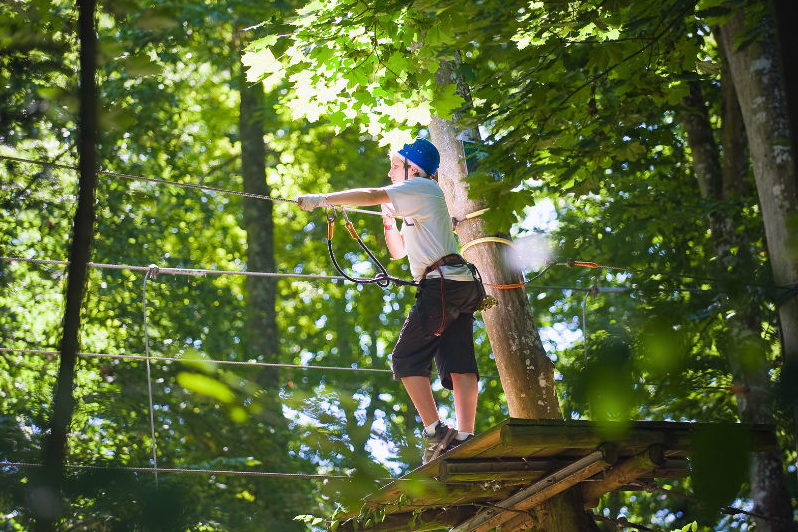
(465, 400)
(420, 392)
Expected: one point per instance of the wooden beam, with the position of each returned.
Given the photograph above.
(544, 489)
(621, 474)
(513, 470)
(433, 519)
(523, 440)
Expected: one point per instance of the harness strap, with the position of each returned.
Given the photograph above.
(447, 260)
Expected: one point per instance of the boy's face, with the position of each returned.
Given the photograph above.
(397, 171)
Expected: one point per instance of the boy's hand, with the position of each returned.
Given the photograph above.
(308, 202)
(387, 210)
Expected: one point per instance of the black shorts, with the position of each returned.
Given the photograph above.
(453, 350)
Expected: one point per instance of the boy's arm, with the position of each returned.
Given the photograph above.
(356, 197)
(393, 238)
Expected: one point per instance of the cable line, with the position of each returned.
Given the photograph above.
(791, 290)
(203, 272)
(149, 377)
(213, 361)
(156, 470)
(176, 271)
(174, 183)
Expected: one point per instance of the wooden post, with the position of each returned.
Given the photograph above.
(626, 471)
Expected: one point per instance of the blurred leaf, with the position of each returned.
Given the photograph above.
(205, 385)
(719, 464)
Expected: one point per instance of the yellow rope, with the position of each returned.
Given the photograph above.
(484, 240)
(475, 214)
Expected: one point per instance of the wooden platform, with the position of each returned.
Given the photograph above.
(492, 479)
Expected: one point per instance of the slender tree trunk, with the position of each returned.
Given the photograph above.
(786, 13)
(46, 499)
(758, 81)
(526, 372)
(768, 488)
(261, 336)
(261, 333)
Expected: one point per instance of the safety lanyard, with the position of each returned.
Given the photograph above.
(382, 279)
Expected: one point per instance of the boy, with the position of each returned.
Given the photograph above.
(439, 326)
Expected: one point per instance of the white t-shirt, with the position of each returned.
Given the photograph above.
(427, 227)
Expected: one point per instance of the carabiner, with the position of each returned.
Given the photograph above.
(350, 226)
(330, 222)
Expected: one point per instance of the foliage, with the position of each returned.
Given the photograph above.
(578, 104)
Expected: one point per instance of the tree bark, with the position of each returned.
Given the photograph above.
(768, 488)
(46, 498)
(261, 335)
(758, 81)
(526, 372)
(786, 13)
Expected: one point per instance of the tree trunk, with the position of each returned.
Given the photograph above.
(786, 13)
(759, 85)
(768, 489)
(45, 499)
(261, 334)
(45, 494)
(526, 372)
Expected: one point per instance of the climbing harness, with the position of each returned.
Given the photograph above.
(485, 301)
(382, 279)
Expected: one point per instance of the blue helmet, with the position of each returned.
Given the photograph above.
(423, 154)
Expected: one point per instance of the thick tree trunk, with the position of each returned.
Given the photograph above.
(261, 335)
(758, 80)
(768, 488)
(526, 372)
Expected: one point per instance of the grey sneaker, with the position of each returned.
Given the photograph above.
(455, 442)
(438, 443)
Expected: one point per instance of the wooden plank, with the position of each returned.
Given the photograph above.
(477, 470)
(422, 496)
(622, 473)
(541, 490)
(434, 519)
(524, 440)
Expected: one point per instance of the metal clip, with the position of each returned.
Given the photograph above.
(330, 221)
(487, 302)
(350, 226)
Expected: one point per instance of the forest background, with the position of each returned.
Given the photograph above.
(620, 119)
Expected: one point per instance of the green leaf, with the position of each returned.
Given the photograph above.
(140, 65)
(205, 385)
(260, 63)
(446, 101)
(263, 42)
(156, 19)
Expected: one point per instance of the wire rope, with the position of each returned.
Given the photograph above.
(176, 271)
(274, 474)
(152, 271)
(197, 360)
(173, 183)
